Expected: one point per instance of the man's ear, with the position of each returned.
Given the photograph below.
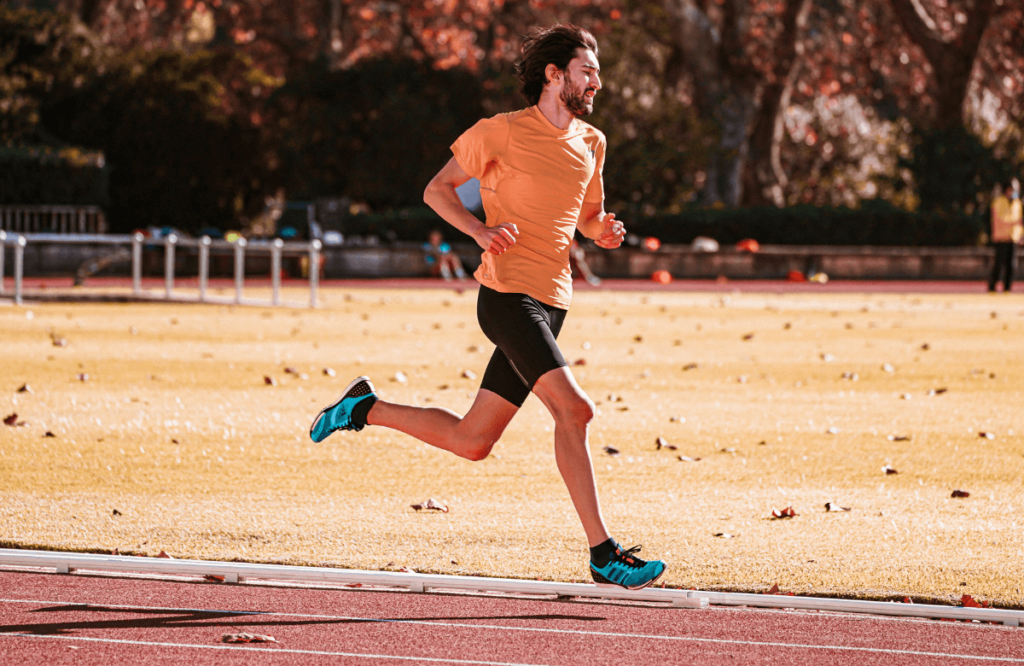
(551, 73)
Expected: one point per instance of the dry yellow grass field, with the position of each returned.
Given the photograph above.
(176, 430)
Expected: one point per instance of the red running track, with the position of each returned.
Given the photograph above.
(103, 620)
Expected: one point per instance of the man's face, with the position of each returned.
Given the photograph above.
(581, 83)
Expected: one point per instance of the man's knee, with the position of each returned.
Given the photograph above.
(478, 447)
(577, 412)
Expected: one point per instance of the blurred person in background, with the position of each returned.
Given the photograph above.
(440, 259)
(1007, 233)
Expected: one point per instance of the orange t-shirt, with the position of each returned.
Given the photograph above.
(537, 177)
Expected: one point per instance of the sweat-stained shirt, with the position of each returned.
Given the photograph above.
(537, 177)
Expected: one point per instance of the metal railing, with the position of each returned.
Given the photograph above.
(276, 248)
(53, 219)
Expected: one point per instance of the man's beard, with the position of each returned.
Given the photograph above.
(574, 100)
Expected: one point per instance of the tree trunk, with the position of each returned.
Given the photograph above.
(764, 181)
(726, 91)
(951, 59)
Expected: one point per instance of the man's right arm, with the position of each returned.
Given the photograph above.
(441, 196)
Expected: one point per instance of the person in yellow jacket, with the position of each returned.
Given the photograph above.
(1007, 232)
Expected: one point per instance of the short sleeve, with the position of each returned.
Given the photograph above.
(481, 145)
(595, 189)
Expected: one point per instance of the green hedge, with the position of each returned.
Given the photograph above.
(875, 223)
(47, 176)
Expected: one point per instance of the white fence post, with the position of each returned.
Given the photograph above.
(137, 263)
(19, 267)
(239, 268)
(3, 249)
(314, 272)
(275, 270)
(204, 266)
(169, 242)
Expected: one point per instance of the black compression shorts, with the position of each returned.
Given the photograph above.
(524, 331)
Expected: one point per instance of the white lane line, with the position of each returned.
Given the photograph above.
(249, 648)
(577, 632)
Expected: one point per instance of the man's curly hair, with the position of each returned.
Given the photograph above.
(556, 45)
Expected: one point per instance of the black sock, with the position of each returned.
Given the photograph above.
(360, 411)
(602, 552)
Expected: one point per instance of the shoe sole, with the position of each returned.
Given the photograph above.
(601, 581)
(337, 402)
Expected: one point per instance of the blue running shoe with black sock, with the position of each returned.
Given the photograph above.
(339, 416)
(625, 569)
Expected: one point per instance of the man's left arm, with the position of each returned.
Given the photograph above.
(599, 226)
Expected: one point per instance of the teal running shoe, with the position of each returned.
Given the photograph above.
(625, 569)
(338, 416)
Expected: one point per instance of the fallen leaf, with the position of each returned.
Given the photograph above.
(728, 449)
(779, 514)
(430, 505)
(214, 579)
(827, 358)
(247, 638)
(291, 371)
(899, 438)
(967, 601)
(688, 459)
(748, 336)
(662, 443)
(11, 420)
(165, 556)
(468, 374)
(48, 434)
(82, 377)
(330, 372)
(407, 570)
(115, 512)
(638, 338)
(723, 535)
(960, 493)
(906, 396)
(580, 361)
(269, 381)
(115, 552)
(986, 435)
(690, 366)
(59, 342)
(908, 600)
(925, 347)
(938, 391)
(677, 419)
(851, 376)
(762, 443)
(610, 450)
(832, 431)
(774, 589)
(454, 562)
(835, 508)
(25, 388)
(888, 470)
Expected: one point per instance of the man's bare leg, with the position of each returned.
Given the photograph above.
(471, 436)
(573, 411)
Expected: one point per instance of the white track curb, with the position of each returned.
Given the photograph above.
(236, 572)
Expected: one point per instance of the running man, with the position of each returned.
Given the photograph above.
(540, 180)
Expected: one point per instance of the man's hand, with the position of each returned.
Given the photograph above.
(497, 240)
(613, 232)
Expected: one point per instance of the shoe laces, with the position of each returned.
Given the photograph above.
(627, 557)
